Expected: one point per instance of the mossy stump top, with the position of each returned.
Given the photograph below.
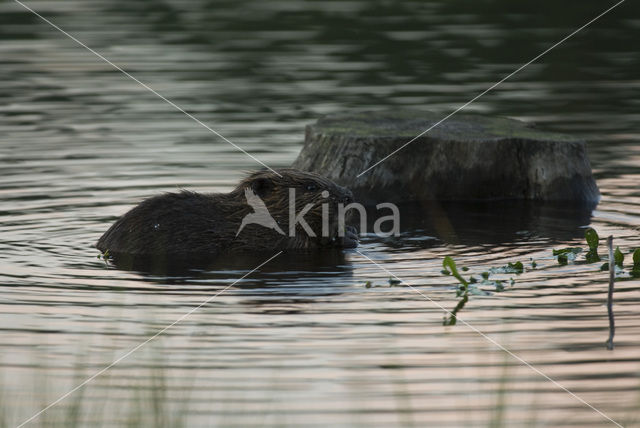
(466, 157)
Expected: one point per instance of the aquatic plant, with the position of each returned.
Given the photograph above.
(105, 256)
(592, 238)
(618, 257)
(463, 290)
(635, 270)
(394, 282)
(471, 286)
(450, 266)
(569, 254)
(618, 262)
(565, 255)
(516, 268)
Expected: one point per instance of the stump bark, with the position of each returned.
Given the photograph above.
(467, 157)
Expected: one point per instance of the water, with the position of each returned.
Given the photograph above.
(303, 342)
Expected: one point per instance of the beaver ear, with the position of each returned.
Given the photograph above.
(261, 186)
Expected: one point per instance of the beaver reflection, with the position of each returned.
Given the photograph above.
(289, 267)
(187, 228)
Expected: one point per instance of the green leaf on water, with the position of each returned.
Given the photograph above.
(618, 257)
(565, 255)
(592, 257)
(636, 260)
(475, 291)
(450, 265)
(635, 270)
(604, 267)
(517, 267)
(592, 239)
(367, 284)
(485, 275)
(393, 282)
(568, 250)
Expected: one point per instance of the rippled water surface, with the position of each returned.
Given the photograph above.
(303, 342)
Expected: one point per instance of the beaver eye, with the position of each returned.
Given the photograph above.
(312, 187)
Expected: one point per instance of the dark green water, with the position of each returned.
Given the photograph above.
(303, 342)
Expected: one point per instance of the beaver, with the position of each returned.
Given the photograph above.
(255, 216)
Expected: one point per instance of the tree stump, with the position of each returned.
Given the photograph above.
(467, 157)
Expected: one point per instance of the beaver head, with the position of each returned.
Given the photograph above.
(315, 199)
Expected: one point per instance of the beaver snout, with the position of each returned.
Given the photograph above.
(347, 199)
(345, 196)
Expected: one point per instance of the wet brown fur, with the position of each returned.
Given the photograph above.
(189, 224)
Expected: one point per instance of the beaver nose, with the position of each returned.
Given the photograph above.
(347, 197)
